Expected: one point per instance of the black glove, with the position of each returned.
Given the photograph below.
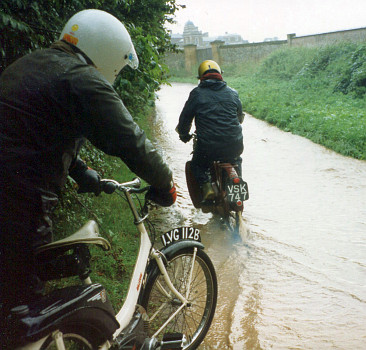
(87, 179)
(165, 198)
(90, 182)
(185, 138)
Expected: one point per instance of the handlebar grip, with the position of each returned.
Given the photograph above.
(108, 186)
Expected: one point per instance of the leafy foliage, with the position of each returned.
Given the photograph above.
(283, 64)
(27, 25)
(353, 79)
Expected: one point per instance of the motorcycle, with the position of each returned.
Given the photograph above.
(231, 191)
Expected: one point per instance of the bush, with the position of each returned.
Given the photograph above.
(353, 79)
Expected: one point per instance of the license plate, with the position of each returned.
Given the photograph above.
(181, 233)
(237, 192)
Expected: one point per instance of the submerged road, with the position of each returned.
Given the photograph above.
(297, 279)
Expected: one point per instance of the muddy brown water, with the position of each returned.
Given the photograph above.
(297, 277)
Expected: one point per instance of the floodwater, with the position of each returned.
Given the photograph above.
(297, 277)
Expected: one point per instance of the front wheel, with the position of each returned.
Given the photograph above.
(195, 318)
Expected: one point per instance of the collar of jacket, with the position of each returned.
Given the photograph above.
(212, 84)
(62, 45)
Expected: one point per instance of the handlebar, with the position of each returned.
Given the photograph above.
(110, 185)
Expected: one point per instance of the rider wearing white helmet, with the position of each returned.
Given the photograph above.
(104, 39)
(51, 101)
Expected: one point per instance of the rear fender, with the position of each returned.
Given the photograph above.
(230, 177)
(79, 305)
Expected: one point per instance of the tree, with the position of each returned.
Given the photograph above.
(26, 25)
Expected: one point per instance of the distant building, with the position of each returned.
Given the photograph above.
(192, 35)
(231, 39)
(176, 39)
(270, 39)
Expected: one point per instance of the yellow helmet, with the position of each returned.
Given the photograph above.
(208, 65)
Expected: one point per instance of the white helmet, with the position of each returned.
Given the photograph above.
(104, 39)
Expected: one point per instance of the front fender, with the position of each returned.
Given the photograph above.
(168, 252)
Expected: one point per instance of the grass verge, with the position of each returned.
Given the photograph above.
(318, 93)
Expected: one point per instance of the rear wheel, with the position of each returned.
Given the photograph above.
(195, 318)
(74, 338)
(232, 220)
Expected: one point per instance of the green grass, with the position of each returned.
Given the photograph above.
(318, 93)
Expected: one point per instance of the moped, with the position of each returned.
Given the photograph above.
(170, 303)
(230, 192)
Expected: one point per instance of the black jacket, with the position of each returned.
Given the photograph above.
(50, 102)
(217, 112)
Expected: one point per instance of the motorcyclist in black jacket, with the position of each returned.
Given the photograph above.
(51, 101)
(217, 112)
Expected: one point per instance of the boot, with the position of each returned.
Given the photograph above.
(208, 193)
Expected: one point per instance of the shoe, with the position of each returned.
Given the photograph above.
(206, 208)
(208, 193)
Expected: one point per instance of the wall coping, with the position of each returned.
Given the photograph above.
(327, 33)
(275, 42)
(262, 43)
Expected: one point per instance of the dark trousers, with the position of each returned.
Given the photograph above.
(203, 158)
(24, 225)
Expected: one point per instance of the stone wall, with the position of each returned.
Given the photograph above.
(353, 35)
(226, 54)
(245, 52)
(204, 54)
(175, 61)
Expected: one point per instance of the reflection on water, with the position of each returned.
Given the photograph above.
(298, 281)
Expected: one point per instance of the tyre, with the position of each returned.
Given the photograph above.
(195, 319)
(232, 221)
(75, 338)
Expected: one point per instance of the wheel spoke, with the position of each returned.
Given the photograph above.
(67, 340)
(194, 319)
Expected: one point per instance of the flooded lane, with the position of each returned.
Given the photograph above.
(299, 279)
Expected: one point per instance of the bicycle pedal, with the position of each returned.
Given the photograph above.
(172, 341)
